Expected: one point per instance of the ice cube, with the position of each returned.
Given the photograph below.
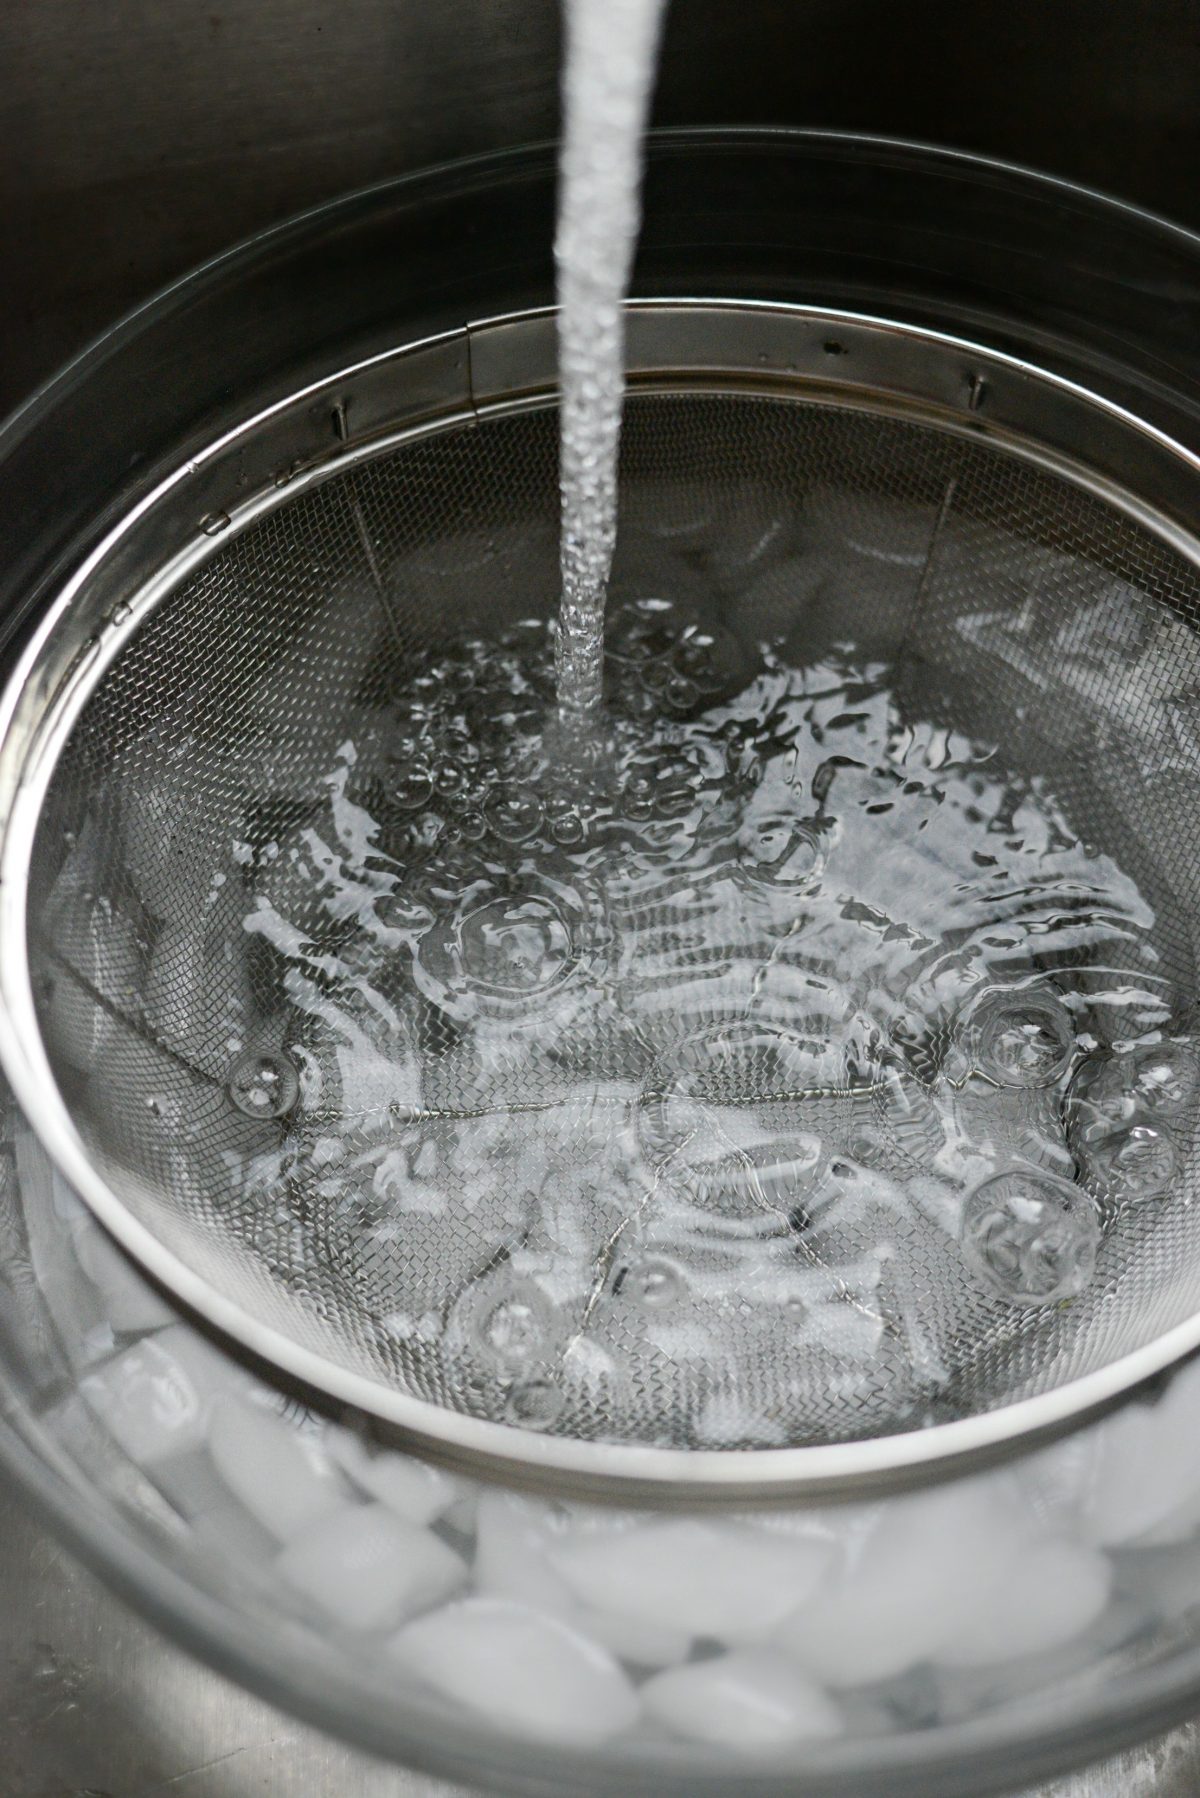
(750, 1700)
(95, 981)
(960, 1690)
(197, 999)
(369, 1569)
(513, 1536)
(129, 1301)
(156, 1398)
(1054, 1591)
(1146, 1464)
(527, 1673)
(1164, 1583)
(412, 1488)
(711, 1579)
(284, 1478)
(1181, 1526)
(178, 831)
(1056, 1479)
(635, 1639)
(924, 1566)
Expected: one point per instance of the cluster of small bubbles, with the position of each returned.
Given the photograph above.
(1030, 1237)
(661, 784)
(641, 632)
(1020, 1036)
(1124, 1112)
(264, 1086)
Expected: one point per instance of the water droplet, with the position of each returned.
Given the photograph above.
(534, 1405)
(264, 1086)
(513, 813)
(1031, 1238)
(213, 523)
(1020, 1036)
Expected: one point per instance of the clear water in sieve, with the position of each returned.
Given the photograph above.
(815, 1060)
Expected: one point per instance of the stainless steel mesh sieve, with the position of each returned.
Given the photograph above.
(625, 1117)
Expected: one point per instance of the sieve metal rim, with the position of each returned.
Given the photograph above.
(493, 367)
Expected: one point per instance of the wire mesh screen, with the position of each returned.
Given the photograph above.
(807, 1058)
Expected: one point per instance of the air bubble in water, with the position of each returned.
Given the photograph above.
(513, 1332)
(450, 779)
(264, 1086)
(513, 813)
(534, 1405)
(1166, 1077)
(654, 1284)
(396, 911)
(681, 693)
(641, 632)
(568, 829)
(1135, 1164)
(1031, 1238)
(411, 787)
(1020, 1036)
(1119, 1111)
